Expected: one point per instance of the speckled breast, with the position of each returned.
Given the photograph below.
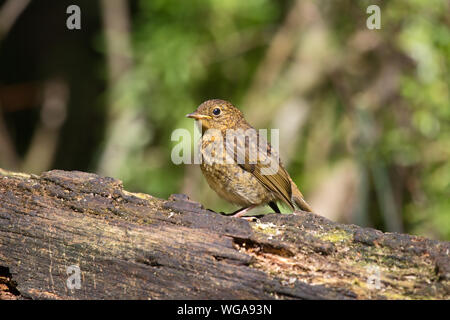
(227, 178)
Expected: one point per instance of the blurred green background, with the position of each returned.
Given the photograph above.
(364, 115)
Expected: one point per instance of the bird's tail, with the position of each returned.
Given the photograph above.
(298, 199)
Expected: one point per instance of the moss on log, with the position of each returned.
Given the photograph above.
(135, 246)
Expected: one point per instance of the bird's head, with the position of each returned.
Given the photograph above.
(217, 114)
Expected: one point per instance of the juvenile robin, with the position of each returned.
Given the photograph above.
(239, 164)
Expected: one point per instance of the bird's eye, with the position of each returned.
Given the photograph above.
(216, 111)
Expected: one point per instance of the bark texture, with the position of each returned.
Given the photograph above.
(135, 246)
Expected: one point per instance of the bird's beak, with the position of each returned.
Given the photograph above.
(197, 116)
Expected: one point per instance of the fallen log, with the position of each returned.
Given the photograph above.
(121, 245)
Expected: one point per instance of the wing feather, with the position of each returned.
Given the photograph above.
(255, 155)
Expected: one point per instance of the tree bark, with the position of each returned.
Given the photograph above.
(135, 246)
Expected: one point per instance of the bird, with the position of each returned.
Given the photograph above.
(239, 164)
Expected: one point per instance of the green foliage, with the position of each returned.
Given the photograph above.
(196, 50)
(187, 53)
(425, 141)
(364, 114)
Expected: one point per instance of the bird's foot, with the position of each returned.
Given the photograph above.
(239, 213)
(251, 219)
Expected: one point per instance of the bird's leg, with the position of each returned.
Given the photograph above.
(239, 213)
(274, 206)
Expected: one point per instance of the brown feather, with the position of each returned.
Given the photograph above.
(278, 183)
(230, 180)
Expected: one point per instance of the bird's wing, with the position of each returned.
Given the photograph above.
(255, 155)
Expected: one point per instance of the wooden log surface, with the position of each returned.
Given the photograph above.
(135, 246)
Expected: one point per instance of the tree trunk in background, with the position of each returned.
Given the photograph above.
(125, 126)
